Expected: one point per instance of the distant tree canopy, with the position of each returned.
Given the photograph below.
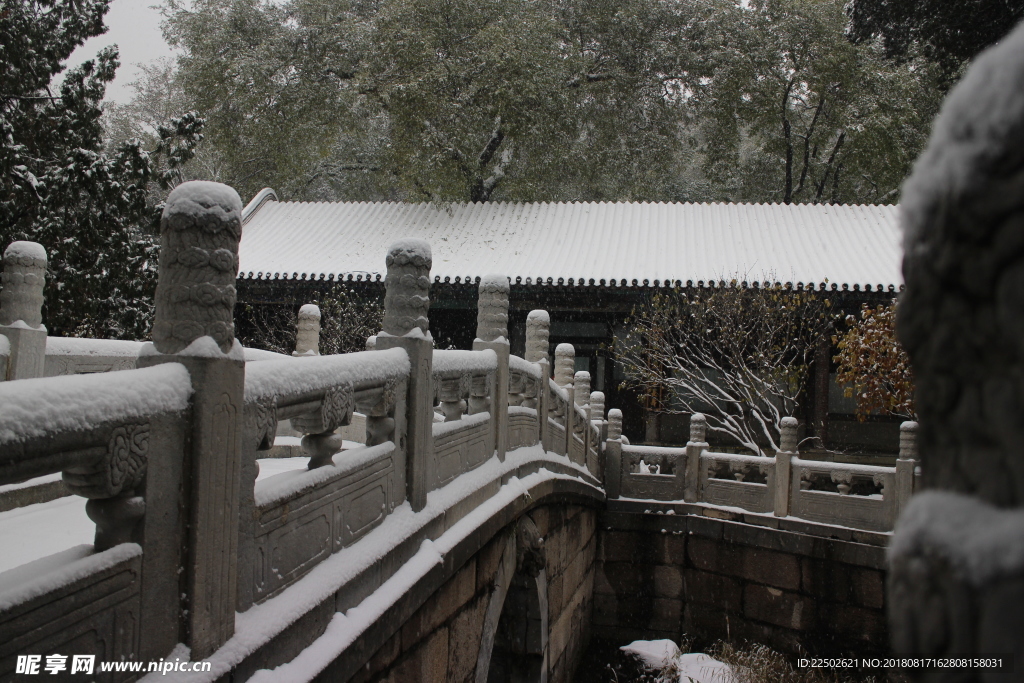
(88, 207)
(949, 32)
(549, 100)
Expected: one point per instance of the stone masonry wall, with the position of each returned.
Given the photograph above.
(441, 641)
(666, 576)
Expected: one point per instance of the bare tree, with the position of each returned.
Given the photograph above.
(738, 354)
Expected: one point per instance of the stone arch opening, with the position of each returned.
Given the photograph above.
(520, 638)
(515, 635)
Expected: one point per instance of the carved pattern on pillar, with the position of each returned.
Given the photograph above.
(565, 364)
(492, 308)
(407, 298)
(307, 331)
(581, 382)
(261, 423)
(195, 295)
(21, 284)
(908, 441)
(788, 437)
(698, 427)
(597, 405)
(480, 394)
(109, 482)
(538, 325)
(615, 424)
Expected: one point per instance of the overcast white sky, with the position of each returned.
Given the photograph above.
(134, 26)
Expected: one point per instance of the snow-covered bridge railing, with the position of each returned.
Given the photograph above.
(342, 495)
(165, 440)
(853, 495)
(113, 436)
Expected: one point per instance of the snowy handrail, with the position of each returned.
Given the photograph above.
(860, 496)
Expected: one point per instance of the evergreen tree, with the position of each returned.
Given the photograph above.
(59, 187)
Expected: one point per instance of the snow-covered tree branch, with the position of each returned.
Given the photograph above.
(738, 354)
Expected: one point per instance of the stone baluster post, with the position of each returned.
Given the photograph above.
(784, 466)
(597, 412)
(581, 396)
(516, 389)
(695, 447)
(538, 325)
(613, 455)
(492, 333)
(371, 342)
(195, 299)
(544, 403)
(406, 326)
(21, 309)
(905, 466)
(307, 333)
(451, 399)
(565, 364)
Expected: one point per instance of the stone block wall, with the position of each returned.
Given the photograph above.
(441, 641)
(670, 576)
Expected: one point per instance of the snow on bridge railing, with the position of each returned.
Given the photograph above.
(859, 496)
(168, 452)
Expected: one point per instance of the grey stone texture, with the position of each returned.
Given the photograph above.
(200, 230)
(961, 319)
(661, 576)
(21, 306)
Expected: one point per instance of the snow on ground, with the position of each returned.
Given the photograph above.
(271, 466)
(36, 481)
(693, 667)
(35, 531)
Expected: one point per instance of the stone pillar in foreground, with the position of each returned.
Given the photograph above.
(492, 333)
(956, 560)
(194, 325)
(406, 326)
(21, 309)
(307, 331)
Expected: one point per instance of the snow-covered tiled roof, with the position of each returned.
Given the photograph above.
(620, 242)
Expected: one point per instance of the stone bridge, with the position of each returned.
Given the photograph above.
(463, 516)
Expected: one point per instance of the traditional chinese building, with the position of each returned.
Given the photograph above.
(587, 264)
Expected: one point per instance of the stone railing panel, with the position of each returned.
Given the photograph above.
(651, 472)
(90, 603)
(859, 496)
(743, 481)
(465, 439)
(303, 517)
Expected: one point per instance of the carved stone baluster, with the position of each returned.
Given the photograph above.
(538, 324)
(21, 306)
(905, 466)
(530, 392)
(452, 404)
(613, 454)
(406, 326)
(516, 388)
(597, 406)
(480, 394)
(581, 383)
(492, 333)
(321, 442)
(843, 481)
(194, 325)
(307, 333)
(784, 466)
(380, 420)
(371, 342)
(565, 364)
(695, 447)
